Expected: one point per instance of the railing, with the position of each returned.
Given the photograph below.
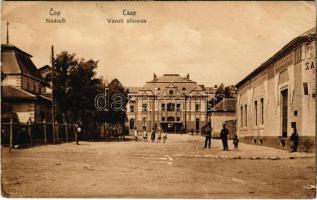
(28, 134)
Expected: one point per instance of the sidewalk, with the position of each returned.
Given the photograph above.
(245, 151)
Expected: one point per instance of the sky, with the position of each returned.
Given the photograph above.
(215, 42)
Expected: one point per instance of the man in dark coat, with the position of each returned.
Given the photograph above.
(224, 137)
(294, 140)
(208, 136)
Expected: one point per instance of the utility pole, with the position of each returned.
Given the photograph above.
(53, 106)
(7, 32)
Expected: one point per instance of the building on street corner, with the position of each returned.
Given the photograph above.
(280, 94)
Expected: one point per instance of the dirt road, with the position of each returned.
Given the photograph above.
(178, 168)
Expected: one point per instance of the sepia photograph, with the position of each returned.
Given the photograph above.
(155, 99)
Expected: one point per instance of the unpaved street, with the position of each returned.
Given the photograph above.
(178, 168)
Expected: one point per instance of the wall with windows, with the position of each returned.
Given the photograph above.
(31, 85)
(282, 93)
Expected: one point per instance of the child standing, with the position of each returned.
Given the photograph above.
(159, 137)
(235, 142)
(164, 137)
(145, 135)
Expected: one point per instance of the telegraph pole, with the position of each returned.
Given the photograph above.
(53, 103)
(7, 32)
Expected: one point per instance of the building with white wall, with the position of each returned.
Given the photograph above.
(280, 93)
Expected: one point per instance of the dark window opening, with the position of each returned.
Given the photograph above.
(163, 107)
(305, 85)
(170, 107)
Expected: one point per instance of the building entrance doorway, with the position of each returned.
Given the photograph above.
(284, 111)
(171, 127)
(197, 126)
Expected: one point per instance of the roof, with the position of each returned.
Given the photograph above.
(10, 92)
(45, 68)
(226, 105)
(167, 78)
(134, 89)
(305, 37)
(16, 61)
(160, 84)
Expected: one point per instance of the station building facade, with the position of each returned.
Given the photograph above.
(170, 102)
(280, 94)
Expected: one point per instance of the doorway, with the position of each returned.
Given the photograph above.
(284, 107)
(197, 125)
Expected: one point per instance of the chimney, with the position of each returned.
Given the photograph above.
(187, 76)
(216, 86)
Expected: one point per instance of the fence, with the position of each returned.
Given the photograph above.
(28, 134)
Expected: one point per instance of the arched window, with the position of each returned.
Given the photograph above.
(171, 119)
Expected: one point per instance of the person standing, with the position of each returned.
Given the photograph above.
(208, 136)
(294, 140)
(135, 134)
(224, 137)
(145, 135)
(164, 136)
(78, 130)
(153, 135)
(235, 142)
(159, 136)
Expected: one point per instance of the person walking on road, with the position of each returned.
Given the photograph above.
(208, 136)
(224, 137)
(294, 140)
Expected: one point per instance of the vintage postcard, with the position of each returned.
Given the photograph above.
(158, 99)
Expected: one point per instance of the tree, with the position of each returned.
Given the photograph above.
(116, 101)
(63, 63)
(76, 88)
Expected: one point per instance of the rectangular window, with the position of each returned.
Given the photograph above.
(178, 107)
(144, 107)
(305, 85)
(170, 107)
(256, 112)
(241, 113)
(163, 107)
(245, 115)
(262, 110)
(197, 107)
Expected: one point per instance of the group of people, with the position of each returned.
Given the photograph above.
(224, 138)
(294, 139)
(154, 134)
(115, 130)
